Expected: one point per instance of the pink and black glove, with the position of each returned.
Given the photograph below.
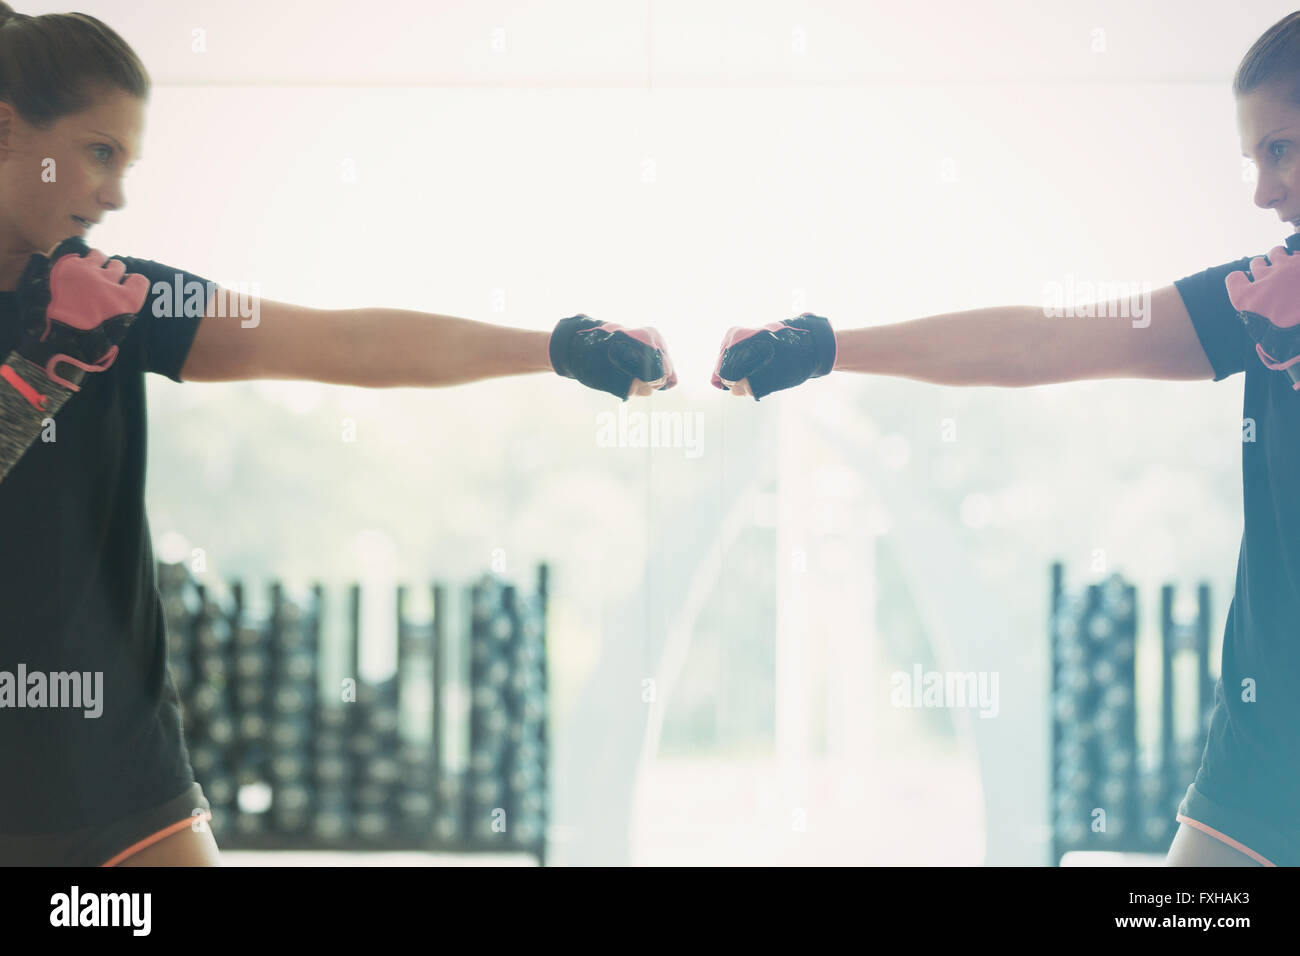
(1267, 300)
(777, 356)
(75, 308)
(608, 357)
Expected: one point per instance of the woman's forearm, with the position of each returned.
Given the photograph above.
(409, 349)
(1001, 346)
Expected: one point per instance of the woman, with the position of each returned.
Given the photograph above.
(1243, 808)
(95, 766)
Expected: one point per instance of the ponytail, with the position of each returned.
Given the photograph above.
(1274, 61)
(55, 64)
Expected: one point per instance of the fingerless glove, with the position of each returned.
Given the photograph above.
(776, 356)
(75, 308)
(609, 357)
(1267, 300)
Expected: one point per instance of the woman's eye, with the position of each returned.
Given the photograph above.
(1283, 145)
(107, 149)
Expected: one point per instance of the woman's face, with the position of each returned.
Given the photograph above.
(1270, 138)
(74, 168)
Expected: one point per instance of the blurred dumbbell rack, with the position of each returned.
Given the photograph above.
(1103, 795)
(288, 765)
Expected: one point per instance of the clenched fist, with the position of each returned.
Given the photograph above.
(610, 358)
(776, 356)
(1267, 300)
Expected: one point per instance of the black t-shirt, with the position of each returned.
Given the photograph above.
(78, 588)
(1252, 754)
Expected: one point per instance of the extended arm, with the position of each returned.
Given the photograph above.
(394, 348)
(373, 348)
(1018, 346)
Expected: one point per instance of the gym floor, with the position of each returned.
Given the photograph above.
(711, 811)
(326, 858)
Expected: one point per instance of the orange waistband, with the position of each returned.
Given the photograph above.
(1224, 838)
(153, 838)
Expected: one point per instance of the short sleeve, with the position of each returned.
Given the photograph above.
(1222, 335)
(172, 311)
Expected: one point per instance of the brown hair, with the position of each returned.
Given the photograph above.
(1274, 59)
(53, 65)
